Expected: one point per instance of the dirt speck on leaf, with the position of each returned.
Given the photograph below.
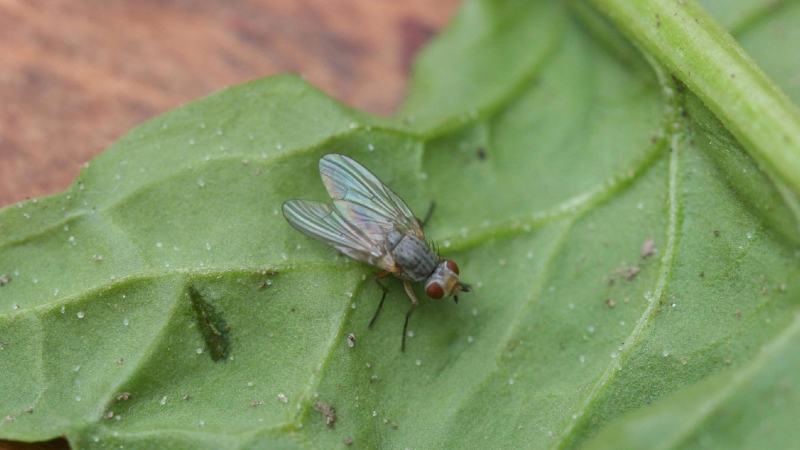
(628, 272)
(327, 412)
(649, 248)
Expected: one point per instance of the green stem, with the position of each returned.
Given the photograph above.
(683, 37)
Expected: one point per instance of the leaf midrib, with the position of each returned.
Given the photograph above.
(676, 137)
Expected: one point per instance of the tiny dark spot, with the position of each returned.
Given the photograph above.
(648, 400)
(292, 309)
(212, 326)
(481, 153)
(716, 232)
(684, 113)
(737, 314)
(702, 274)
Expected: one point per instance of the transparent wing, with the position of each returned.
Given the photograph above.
(322, 223)
(363, 200)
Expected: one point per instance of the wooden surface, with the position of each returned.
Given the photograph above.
(75, 75)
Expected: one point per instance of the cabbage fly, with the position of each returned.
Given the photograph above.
(371, 224)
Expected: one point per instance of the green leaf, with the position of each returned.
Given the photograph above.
(626, 215)
(753, 407)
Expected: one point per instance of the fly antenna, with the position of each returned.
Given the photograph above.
(428, 214)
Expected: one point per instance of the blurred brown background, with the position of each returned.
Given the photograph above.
(75, 75)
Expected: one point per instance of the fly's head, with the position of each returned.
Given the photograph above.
(444, 282)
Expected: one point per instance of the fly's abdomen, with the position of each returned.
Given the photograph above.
(413, 255)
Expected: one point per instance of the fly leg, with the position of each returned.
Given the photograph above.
(385, 290)
(410, 292)
(428, 214)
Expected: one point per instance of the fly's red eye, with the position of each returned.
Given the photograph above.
(452, 266)
(434, 290)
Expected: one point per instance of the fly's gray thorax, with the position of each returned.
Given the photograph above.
(413, 255)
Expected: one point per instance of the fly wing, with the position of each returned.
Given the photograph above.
(322, 223)
(362, 199)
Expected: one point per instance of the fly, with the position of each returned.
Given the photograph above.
(368, 222)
